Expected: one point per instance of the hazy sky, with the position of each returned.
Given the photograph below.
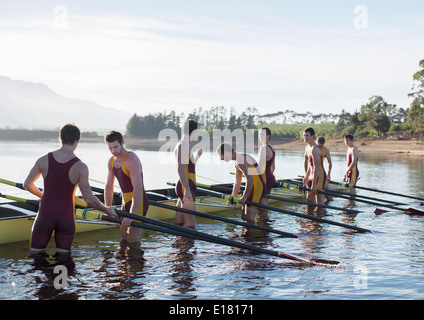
(151, 56)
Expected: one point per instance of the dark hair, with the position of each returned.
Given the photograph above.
(69, 133)
(310, 130)
(224, 147)
(321, 140)
(112, 136)
(192, 125)
(268, 132)
(349, 136)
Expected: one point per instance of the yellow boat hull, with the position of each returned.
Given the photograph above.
(14, 229)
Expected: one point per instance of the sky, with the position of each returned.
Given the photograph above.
(155, 56)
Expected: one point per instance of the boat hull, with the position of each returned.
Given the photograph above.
(16, 219)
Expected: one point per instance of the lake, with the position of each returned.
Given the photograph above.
(388, 264)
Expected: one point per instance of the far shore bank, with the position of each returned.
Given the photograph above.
(411, 147)
(383, 146)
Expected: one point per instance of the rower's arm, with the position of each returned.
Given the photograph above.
(237, 183)
(330, 163)
(305, 163)
(108, 193)
(133, 165)
(33, 175)
(87, 194)
(262, 159)
(316, 159)
(181, 168)
(249, 179)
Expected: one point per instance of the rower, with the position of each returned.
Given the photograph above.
(315, 176)
(62, 172)
(266, 162)
(126, 167)
(245, 165)
(186, 168)
(352, 173)
(325, 154)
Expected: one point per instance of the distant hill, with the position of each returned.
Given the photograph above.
(35, 106)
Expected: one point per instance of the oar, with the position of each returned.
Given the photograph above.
(301, 186)
(377, 211)
(78, 201)
(186, 232)
(335, 193)
(356, 196)
(13, 184)
(213, 217)
(305, 216)
(382, 191)
(34, 203)
(270, 196)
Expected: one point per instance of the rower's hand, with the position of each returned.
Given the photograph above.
(242, 200)
(111, 211)
(305, 180)
(126, 222)
(188, 198)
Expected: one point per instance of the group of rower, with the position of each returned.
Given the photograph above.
(316, 178)
(62, 171)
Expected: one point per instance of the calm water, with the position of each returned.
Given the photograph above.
(386, 265)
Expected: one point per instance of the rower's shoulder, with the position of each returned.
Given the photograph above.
(316, 149)
(249, 159)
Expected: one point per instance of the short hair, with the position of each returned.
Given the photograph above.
(69, 133)
(224, 147)
(268, 132)
(191, 125)
(310, 130)
(112, 136)
(321, 140)
(349, 136)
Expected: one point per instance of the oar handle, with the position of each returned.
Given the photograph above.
(34, 203)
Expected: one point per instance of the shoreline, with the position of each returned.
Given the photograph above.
(410, 147)
(381, 146)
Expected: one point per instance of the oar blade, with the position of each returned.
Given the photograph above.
(314, 261)
(325, 262)
(415, 211)
(379, 211)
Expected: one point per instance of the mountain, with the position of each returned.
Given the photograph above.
(35, 106)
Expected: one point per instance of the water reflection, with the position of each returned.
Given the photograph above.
(182, 270)
(122, 272)
(45, 275)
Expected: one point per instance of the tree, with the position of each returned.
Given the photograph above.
(418, 86)
(416, 111)
(374, 114)
(416, 115)
(133, 126)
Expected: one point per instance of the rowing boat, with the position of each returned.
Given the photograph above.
(16, 219)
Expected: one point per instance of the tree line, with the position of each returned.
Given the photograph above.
(375, 118)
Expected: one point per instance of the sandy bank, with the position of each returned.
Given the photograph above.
(365, 145)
